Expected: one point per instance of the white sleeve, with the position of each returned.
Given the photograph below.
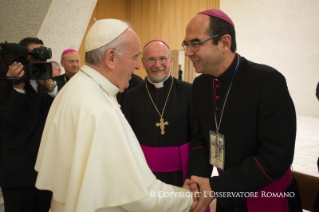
(162, 197)
(19, 90)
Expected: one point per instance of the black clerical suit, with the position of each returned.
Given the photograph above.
(63, 79)
(142, 116)
(259, 125)
(22, 119)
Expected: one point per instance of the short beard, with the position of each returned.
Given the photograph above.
(156, 79)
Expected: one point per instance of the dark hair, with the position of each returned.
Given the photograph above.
(29, 40)
(219, 26)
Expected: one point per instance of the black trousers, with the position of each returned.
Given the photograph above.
(26, 200)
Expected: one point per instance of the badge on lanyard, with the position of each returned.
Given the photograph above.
(217, 150)
(217, 140)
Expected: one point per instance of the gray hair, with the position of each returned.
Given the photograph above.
(56, 65)
(95, 56)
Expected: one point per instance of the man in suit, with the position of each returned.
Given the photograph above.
(180, 72)
(23, 109)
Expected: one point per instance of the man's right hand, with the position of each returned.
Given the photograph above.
(195, 197)
(15, 70)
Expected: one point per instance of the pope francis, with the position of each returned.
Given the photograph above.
(89, 156)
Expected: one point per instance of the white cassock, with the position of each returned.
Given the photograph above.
(90, 158)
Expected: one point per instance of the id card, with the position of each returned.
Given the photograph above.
(217, 150)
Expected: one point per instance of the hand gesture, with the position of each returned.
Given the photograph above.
(206, 194)
(186, 185)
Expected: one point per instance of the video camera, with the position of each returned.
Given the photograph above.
(10, 52)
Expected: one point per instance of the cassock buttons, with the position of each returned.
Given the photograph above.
(218, 85)
(217, 108)
(217, 97)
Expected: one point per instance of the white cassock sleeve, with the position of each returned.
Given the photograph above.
(166, 198)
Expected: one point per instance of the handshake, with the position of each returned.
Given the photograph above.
(201, 192)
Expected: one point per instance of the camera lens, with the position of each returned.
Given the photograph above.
(38, 70)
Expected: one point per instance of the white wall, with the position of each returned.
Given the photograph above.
(65, 24)
(285, 35)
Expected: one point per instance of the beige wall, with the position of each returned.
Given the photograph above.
(154, 19)
(282, 34)
(104, 9)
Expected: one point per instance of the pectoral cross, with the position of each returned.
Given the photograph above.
(162, 125)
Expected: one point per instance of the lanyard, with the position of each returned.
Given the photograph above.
(226, 95)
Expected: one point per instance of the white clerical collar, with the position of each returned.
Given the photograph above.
(158, 84)
(111, 89)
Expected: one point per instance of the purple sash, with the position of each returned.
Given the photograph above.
(266, 200)
(168, 159)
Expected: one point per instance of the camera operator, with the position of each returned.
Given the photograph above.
(23, 111)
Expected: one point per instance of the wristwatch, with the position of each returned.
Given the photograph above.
(51, 89)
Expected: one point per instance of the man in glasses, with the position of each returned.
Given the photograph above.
(244, 123)
(160, 115)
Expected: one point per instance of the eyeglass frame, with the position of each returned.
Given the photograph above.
(148, 60)
(196, 43)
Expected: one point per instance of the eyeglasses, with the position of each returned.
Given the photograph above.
(194, 45)
(153, 60)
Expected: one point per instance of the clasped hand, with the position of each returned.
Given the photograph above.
(201, 192)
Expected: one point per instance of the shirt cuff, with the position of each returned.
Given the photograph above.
(54, 92)
(19, 90)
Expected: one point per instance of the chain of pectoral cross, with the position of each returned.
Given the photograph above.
(161, 124)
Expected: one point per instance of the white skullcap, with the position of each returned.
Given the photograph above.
(102, 32)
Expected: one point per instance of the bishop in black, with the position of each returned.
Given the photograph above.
(166, 150)
(249, 104)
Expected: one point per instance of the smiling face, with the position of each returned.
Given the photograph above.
(208, 58)
(157, 61)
